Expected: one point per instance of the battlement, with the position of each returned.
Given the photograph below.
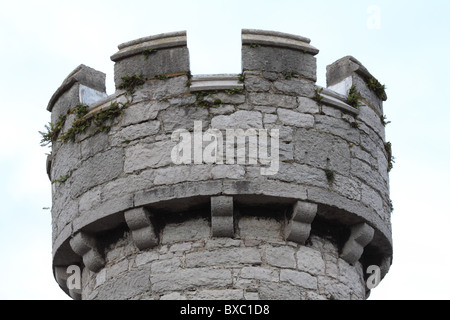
(129, 197)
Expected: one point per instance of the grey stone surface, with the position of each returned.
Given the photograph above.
(100, 168)
(321, 150)
(167, 61)
(226, 98)
(259, 228)
(227, 294)
(283, 257)
(310, 260)
(142, 229)
(296, 119)
(194, 229)
(360, 236)
(279, 60)
(183, 118)
(151, 155)
(191, 278)
(224, 257)
(239, 120)
(302, 216)
(125, 287)
(162, 90)
(143, 111)
(307, 105)
(177, 174)
(294, 86)
(256, 84)
(337, 127)
(94, 145)
(273, 100)
(86, 246)
(222, 223)
(134, 132)
(279, 291)
(298, 278)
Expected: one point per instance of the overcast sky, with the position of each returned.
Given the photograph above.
(406, 47)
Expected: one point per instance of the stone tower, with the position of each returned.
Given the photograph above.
(260, 185)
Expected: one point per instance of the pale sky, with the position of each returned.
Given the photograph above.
(407, 49)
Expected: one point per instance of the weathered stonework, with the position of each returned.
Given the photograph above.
(142, 227)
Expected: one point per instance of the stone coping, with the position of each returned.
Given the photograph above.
(278, 39)
(215, 82)
(332, 98)
(161, 41)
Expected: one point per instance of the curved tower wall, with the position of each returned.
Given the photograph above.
(144, 219)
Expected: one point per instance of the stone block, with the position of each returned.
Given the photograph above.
(142, 229)
(134, 132)
(177, 174)
(183, 279)
(86, 246)
(337, 127)
(223, 295)
(152, 155)
(146, 257)
(282, 257)
(166, 266)
(279, 291)
(99, 169)
(224, 257)
(65, 160)
(228, 172)
(294, 86)
(302, 216)
(296, 119)
(310, 260)
(94, 145)
(283, 60)
(191, 230)
(259, 228)
(361, 235)
(222, 223)
(184, 190)
(270, 188)
(347, 187)
(273, 100)
(307, 105)
(226, 98)
(256, 84)
(298, 278)
(175, 118)
(161, 90)
(239, 120)
(260, 273)
(321, 150)
(127, 286)
(164, 61)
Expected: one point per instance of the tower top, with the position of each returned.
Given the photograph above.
(260, 184)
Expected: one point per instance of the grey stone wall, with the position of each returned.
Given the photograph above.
(254, 266)
(110, 175)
